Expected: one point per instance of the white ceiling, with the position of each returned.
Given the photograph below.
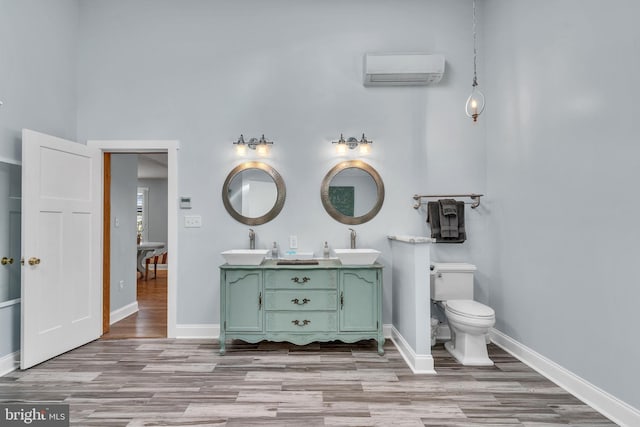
(152, 165)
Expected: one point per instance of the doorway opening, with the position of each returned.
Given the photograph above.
(138, 213)
(156, 295)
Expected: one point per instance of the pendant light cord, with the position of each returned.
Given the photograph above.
(475, 46)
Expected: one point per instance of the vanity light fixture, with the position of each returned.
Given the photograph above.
(351, 143)
(365, 145)
(260, 145)
(475, 102)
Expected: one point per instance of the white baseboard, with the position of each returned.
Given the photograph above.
(419, 363)
(198, 331)
(9, 363)
(613, 408)
(121, 313)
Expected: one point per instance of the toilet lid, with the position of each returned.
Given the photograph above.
(467, 307)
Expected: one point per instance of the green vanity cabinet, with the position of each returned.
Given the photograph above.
(301, 303)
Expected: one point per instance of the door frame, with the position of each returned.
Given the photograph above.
(171, 147)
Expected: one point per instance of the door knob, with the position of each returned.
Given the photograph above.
(34, 261)
(5, 260)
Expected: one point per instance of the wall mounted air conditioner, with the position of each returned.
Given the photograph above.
(402, 69)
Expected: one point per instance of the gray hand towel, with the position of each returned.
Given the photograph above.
(462, 234)
(433, 218)
(448, 218)
(448, 207)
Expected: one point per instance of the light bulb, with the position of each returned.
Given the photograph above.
(262, 149)
(475, 104)
(241, 149)
(365, 149)
(341, 148)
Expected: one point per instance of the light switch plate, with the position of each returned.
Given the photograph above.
(293, 242)
(192, 221)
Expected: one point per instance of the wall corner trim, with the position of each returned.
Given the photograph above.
(9, 363)
(608, 405)
(419, 363)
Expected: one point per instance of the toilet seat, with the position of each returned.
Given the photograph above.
(470, 308)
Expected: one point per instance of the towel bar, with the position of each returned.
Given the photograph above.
(475, 197)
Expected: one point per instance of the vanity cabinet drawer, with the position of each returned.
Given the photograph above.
(301, 279)
(302, 300)
(302, 321)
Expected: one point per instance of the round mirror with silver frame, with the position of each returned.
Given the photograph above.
(352, 192)
(253, 193)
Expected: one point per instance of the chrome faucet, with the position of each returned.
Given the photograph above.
(353, 238)
(252, 239)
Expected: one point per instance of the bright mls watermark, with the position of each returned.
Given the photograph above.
(34, 414)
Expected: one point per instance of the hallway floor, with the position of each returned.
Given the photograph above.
(168, 382)
(151, 319)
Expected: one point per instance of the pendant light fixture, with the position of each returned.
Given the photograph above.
(475, 102)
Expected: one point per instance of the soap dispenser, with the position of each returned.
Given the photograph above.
(326, 252)
(274, 251)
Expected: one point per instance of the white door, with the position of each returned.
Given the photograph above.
(61, 247)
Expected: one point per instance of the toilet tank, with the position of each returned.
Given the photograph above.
(452, 281)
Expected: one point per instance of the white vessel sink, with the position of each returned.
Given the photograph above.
(245, 256)
(357, 256)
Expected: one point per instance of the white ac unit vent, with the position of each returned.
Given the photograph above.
(402, 69)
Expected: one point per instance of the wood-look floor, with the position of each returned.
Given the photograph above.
(168, 382)
(151, 319)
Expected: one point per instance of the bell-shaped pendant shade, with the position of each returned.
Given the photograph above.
(475, 104)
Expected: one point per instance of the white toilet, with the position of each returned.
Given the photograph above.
(469, 320)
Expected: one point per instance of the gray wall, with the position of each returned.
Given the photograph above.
(157, 206)
(563, 160)
(124, 184)
(203, 72)
(38, 41)
(38, 80)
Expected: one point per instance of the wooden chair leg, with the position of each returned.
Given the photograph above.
(146, 269)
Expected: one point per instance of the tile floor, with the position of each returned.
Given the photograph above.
(165, 382)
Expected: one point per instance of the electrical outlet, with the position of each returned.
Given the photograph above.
(121, 284)
(192, 221)
(293, 242)
(117, 222)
